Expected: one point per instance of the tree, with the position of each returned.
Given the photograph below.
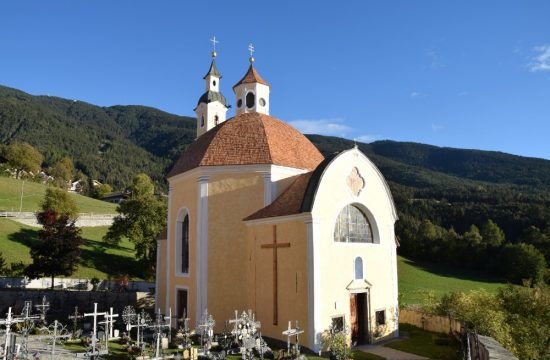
(60, 202)
(492, 234)
(62, 171)
(518, 262)
(142, 217)
(473, 236)
(57, 251)
(23, 157)
(103, 190)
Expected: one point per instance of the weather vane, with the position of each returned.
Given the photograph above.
(214, 42)
(251, 49)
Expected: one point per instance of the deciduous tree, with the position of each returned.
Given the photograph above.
(60, 202)
(142, 217)
(23, 157)
(62, 171)
(492, 234)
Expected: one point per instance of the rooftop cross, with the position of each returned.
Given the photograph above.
(214, 42)
(251, 49)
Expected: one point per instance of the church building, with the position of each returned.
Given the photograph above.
(259, 219)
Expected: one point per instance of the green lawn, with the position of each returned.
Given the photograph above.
(98, 259)
(419, 279)
(33, 193)
(425, 343)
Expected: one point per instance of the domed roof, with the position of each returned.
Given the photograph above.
(211, 96)
(248, 139)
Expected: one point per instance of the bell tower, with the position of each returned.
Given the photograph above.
(252, 92)
(212, 106)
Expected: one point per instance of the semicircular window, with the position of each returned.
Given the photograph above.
(352, 226)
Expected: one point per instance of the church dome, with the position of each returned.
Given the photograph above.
(248, 139)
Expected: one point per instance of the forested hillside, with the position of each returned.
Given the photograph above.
(110, 144)
(466, 207)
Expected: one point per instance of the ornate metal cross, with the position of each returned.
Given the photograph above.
(275, 245)
(159, 324)
(43, 308)
(251, 49)
(214, 42)
(74, 317)
(8, 322)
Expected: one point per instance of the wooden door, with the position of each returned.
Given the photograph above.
(354, 320)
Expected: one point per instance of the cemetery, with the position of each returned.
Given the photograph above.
(31, 331)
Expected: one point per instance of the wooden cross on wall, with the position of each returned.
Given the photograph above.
(275, 245)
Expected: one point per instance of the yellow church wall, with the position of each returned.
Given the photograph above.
(231, 198)
(292, 284)
(183, 195)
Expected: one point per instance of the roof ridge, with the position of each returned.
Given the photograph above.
(266, 136)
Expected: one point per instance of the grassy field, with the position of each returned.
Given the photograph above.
(426, 343)
(417, 280)
(33, 193)
(98, 259)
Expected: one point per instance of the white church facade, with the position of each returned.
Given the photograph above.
(258, 219)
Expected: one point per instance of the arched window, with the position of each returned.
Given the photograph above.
(202, 121)
(352, 225)
(358, 268)
(184, 244)
(250, 100)
(216, 119)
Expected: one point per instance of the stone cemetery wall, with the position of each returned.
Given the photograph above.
(440, 324)
(62, 303)
(487, 348)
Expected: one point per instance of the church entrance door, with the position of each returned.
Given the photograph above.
(359, 318)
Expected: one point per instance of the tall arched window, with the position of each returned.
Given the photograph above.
(185, 245)
(352, 225)
(182, 240)
(358, 268)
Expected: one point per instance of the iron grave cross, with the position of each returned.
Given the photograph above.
(275, 245)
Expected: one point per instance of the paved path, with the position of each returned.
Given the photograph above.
(389, 353)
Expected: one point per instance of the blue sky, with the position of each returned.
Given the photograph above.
(468, 74)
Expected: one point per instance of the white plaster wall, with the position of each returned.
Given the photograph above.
(260, 91)
(336, 268)
(210, 83)
(210, 111)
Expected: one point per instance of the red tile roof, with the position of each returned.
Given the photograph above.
(288, 203)
(247, 139)
(251, 76)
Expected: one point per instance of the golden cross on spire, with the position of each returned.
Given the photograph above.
(214, 42)
(251, 49)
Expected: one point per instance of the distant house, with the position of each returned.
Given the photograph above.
(116, 197)
(75, 186)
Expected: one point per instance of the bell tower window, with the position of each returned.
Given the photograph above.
(216, 119)
(250, 100)
(202, 121)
